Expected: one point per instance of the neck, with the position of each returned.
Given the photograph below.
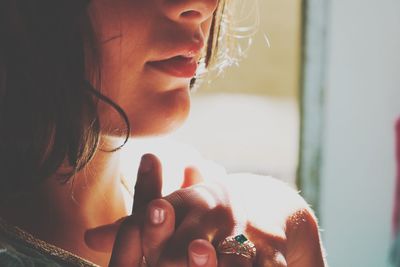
(61, 213)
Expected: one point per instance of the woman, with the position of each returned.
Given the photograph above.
(76, 76)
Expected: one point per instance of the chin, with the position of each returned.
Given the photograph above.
(167, 112)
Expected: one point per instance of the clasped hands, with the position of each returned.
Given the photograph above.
(184, 228)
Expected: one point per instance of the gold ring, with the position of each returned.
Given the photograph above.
(237, 245)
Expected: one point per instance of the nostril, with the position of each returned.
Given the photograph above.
(191, 14)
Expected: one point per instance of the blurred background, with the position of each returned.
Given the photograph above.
(247, 118)
(314, 103)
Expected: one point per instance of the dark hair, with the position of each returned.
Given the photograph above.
(48, 112)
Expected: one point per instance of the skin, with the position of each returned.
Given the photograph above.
(282, 226)
(130, 34)
(133, 33)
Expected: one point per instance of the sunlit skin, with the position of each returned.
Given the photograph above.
(133, 34)
(130, 34)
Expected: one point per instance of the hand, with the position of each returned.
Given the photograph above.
(185, 252)
(285, 235)
(277, 220)
(124, 237)
(146, 232)
(131, 243)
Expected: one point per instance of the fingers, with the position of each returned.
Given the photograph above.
(191, 177)
(148, 187)
(127, 249)
(149, 182)
(157, 229)
(201, 253)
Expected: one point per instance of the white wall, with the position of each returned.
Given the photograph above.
(362, 103)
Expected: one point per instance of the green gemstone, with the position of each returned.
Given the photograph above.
(241, 239)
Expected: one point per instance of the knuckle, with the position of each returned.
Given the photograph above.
(151, 245)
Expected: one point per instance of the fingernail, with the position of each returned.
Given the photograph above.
(145, 164)
(157, 215)
(199, 259)
(199, 253)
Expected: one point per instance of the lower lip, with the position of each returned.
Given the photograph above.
(177, 66)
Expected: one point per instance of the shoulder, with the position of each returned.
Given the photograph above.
(18, 255)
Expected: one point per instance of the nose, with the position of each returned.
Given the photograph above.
(189, 11)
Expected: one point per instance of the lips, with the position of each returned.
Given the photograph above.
(178, 66)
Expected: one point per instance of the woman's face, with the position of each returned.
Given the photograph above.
(149, 53)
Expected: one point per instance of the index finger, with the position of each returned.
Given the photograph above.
(149, 182)
(127, 249)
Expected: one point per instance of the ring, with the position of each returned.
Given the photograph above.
(238, 245)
